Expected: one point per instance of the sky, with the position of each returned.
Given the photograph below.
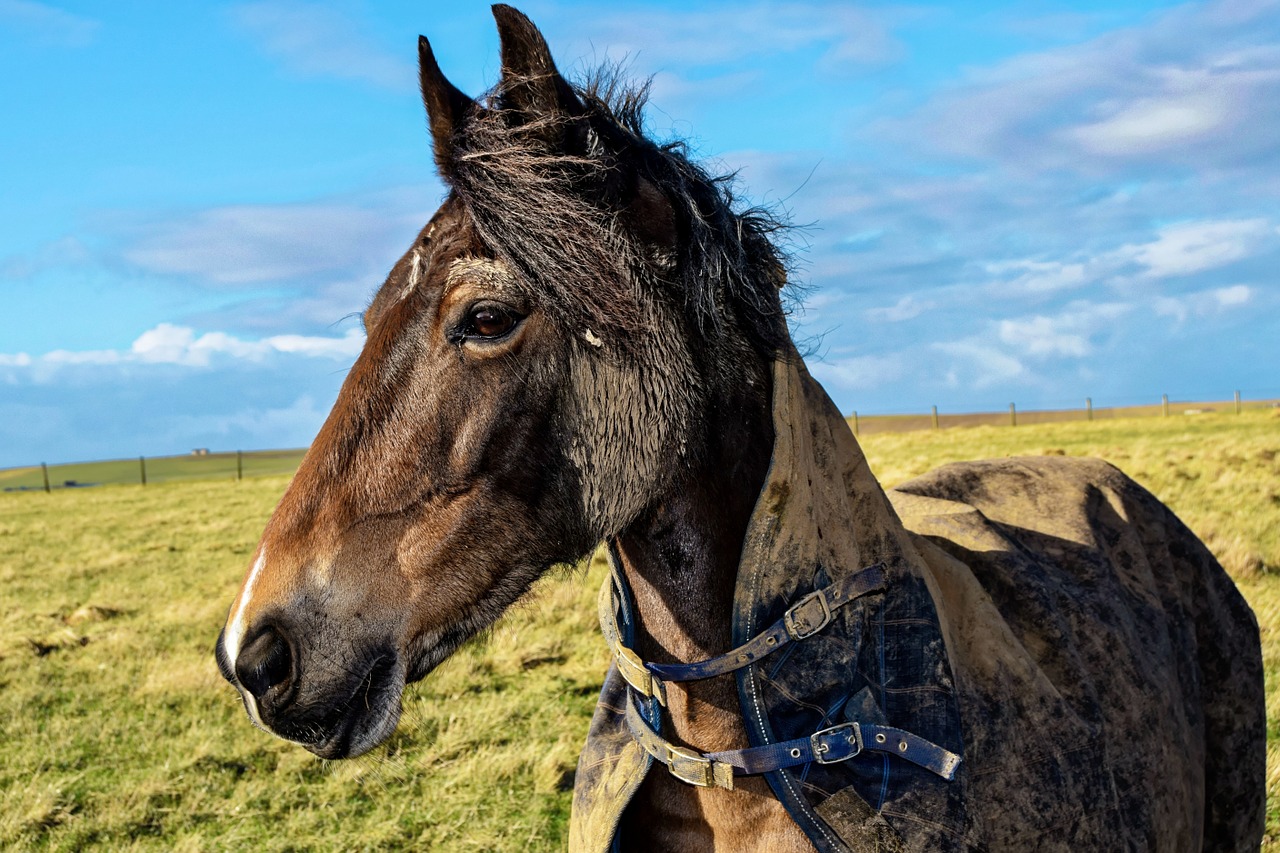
(995, 202)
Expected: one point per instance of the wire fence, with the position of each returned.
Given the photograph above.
(870, 424)
(145, 470)
(237, 465)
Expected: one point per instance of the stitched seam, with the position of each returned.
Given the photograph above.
(924, 822)
(923, 688)
(801, 802)
(803, 704)
(884, 779)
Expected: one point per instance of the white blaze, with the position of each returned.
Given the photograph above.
(236, 629)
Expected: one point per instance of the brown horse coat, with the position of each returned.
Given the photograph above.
(1047, 618)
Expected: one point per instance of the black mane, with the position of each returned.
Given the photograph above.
(550, 196)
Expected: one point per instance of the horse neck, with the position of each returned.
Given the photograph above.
(681, 560)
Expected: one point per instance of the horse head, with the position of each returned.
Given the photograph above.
(540, 366)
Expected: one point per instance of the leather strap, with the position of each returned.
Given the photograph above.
(803, 619)
(827, 746)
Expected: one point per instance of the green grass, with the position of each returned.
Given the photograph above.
(119, 734)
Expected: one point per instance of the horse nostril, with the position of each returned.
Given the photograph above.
(220, 655)
(264, 663)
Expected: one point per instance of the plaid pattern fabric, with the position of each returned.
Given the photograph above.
(1046, 618)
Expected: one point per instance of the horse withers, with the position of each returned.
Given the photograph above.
(587, 343)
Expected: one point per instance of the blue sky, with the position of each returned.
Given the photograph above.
(1031, 202)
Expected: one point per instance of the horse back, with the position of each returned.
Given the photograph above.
(1109, 672)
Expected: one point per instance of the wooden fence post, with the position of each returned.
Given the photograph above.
(1013, 415)
(44, 469)
(239, 466)
(1164, 404)
(142, 467)
(935, 417)
(1237, 402)
(1088, 408)
(855, 421)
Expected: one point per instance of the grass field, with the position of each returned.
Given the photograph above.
(118, 733)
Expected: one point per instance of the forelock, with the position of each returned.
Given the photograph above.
(555, 219)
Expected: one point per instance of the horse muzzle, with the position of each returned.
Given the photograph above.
(335, 705)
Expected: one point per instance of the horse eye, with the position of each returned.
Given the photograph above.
(490, 321)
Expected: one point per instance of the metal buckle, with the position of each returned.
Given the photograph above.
(820, 749)
(688, 766)
(635, 673)
(802, 632)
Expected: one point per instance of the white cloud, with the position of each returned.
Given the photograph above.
(1065, 334)
(1151, 124)
(1192, 87)
(48, 23)
(285, 426)
(317, 40)
(246, 245)
(60, 253)
(1192, 247)
(1236, 294)
(976, 363)
(858, 372)
(180, 345)
(842, 34)
(1031, 276)
(1041, 336)
(1204, 303)
(908, 307)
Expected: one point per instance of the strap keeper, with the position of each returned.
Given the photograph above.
(800, 620)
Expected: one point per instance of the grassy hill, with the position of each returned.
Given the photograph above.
(120, 735)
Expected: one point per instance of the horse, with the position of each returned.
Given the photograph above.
(588, 343)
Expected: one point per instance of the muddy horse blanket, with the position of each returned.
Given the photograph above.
(1046, 618)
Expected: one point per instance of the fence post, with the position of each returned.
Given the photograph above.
(855, 421)
(142, 467)
(44, 469)
(1088, 408)
(1164, 404)
(239, 466)
(1237, 402)
(935, 417)
(1013, 415)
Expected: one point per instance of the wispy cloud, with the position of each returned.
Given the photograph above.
(315, 40)
(63, 252)
(978, 364)
(169, 344)
(1192, 247)
(48, 23)
(248, 245)
(1204, 303)
(858, 373)
(909, 307)
(1067, 334)
(842, 35)
(1197, 87)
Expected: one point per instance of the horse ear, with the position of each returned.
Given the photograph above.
(530, 82)
(446, 106)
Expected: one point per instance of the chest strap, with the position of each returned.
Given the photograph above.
(803, 619)
(827, 746)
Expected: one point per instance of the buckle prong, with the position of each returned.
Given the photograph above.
(820, 749)
(800, 632)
